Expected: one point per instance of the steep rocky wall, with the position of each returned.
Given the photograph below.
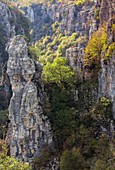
(5, 28)
(75, 60)
(29, 129)
(107, 72)
(106, 78)
(5, 34)
(72, 18)
(107, 81)
(12, 23)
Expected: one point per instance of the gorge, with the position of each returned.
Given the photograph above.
(57, 91)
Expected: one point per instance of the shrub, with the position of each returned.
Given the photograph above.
(58, 72)
(72, 160)
(110, 51)
(9, 163)
(94, 48)
(3, 122)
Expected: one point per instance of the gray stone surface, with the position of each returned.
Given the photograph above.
(30, 128)
(107, 73)
(5, 28)
(75, 59)
(72, 18)
(107, 81)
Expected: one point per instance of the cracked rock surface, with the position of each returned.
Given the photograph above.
(29, 129)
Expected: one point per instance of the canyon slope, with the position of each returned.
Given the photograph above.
(57, 91)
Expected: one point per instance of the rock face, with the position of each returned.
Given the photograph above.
(5, 34)
(4, 31)
(107, 81)
(106, 10)
(75, 59)
(10, 25)
(107, 73)
(71, 19)
(29, 128)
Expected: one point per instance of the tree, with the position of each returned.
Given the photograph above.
(58, 72)
(72, 160)
(94, 48)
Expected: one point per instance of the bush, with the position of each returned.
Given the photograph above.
(94, 48)
(9, 163)
(72, 160)
(58, 72)
(3, 122)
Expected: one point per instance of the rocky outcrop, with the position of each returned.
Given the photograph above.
(12, 23)
(29, 129)
(107, 81)
(5, 34)
(75, 60)
(107, 72)
(71, 19)
(106, 10)
(4, 31)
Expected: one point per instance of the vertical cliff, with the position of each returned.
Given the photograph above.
(29, 129)
(5, 28)
(71, 18)
(12, 23)
(107, 72)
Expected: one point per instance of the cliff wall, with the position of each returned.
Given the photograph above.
(107, 73)
(29, 129)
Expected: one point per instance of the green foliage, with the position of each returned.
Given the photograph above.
(105, 157)
(102, 108)
(55, 46)
(100, 165)
(110, 51)
(9, 163)
(1, 34)
(55, 26)
(3, 116)
(63, 125)
(47, 154)
(72, 160)
(80, 2)
(94, 48)
(3, 122)
(58, 72)
(113, 28)
(96, 14)
(33, 52)
(61, 79)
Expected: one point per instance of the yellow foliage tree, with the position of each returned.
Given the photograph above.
(94, 48)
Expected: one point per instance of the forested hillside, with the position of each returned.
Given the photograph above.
(57, 85)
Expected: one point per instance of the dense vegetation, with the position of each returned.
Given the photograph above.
(96, 45)
(48, 48)
(79, 141)
(80, 123)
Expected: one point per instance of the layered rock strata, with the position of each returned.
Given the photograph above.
(29, 128)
